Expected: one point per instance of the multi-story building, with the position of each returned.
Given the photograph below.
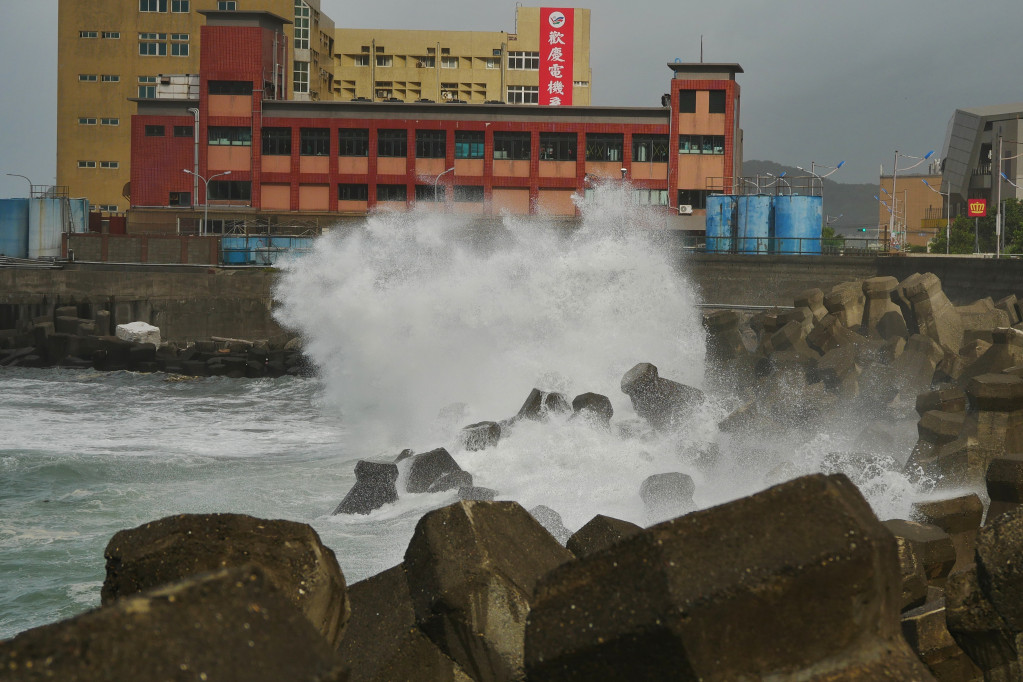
(277, 160)
(112, 50)
(469, 66)
(912, 212)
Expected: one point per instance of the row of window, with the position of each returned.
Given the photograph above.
(102, 164)
(108, 35)
(387, 61)
(156, 44)
(181, 6)
(90, 121)
(179, 131)
(94, 78)
(360, 192)
(687, 102)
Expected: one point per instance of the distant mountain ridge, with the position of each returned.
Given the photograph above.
(854, 202)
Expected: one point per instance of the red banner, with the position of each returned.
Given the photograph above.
(557, 27)
(976, 208)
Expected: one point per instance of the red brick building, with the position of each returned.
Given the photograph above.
(276, 159)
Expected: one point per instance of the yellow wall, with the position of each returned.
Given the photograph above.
(479, 76)
(920, 211)
(120, 57)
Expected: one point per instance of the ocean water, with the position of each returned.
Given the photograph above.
(419, 324)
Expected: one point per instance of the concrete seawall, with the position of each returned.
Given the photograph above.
(190, 303)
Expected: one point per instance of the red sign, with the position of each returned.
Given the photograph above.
(976, 208)
(557, 27)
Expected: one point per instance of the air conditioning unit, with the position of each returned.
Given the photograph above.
(447, 94)
(685, 209)
(419, 64)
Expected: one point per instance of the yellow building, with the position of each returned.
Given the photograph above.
(468, 66)
(913, 213)
(113, 50)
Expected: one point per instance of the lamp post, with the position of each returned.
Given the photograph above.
(948, 206)
(895, 176)
(17, 175)
(206, 203)
(781, 178)
(437, 179)
(998, 205)
(195, 155)
(890, 212)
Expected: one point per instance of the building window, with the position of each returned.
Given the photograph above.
(314, 142)
(179, 6)
(469, 193)
(183, 131)
(87, 34)
(429, 193)
(112, 35)
(431, 144)
(147, 87)
(110, 121)
(697, 198)
(180, 199)
(392, 143)
(227, 5)
(652, 148)
(468, 144)
(449, 91)
(360, 60)
(353, 192)
(687, 101)
(558, 146)
(496, 52)
(179, 44)
(108, 78)
(384, 60)
(152, 44)
(449, 62)
(229, 136)
(109, 164)
(524, 61)
(425, 62)
(86, 121)
(651, 197)
(87, 77)
(86, 164)
(277, 141)
(391, 193)
(301, 82)
(604, 147)
(580, 84)
(511, 145)
(493, 63)
(230, 87)
(107, 208)
(230, 190)
(523, 94)
(701, 144)
(717, 102)
(353, 142)
(152, 5)
(154, 131)
(301, 25)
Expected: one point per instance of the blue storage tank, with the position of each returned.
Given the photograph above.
(720, 223)
(797, 224)
(46, 220)
(79, 215)
(753, 224)
(14, 228)
(235, 250)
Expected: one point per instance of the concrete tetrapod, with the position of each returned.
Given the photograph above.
(800, 581)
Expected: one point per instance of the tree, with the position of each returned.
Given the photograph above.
(830, 239)
(963, 236)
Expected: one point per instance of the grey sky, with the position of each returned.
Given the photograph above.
(824, 80)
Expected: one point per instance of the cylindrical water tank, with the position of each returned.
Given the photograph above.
(720, 223)
(46, 219)
(14, 228)
(797, 224)
(753, 223)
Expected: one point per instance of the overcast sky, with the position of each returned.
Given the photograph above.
(824, 81)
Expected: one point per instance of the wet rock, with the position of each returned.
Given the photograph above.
(176, 547)
(598, 534)
(1000, 566)
(138, 332)
(878, 305)
(932, 546)
(830, 333)
(914, 580)
(453, 480)
(1010, 304)
(978, 628)
(374, 487)
(1004, 481)
(595, 406)
(837, 368)
(724, 340)
(540, 405)
(404, 454)
(472, 569)
(982, 314)
(429, 467)
(914, 368)
(944, 400)
(551, 520)
(817, 569)
(382, 642)
(937, 318)
(1005, 351)
(480, 436)
(926, 633)
(846, 300)
(813, 300)
(662, 402)
(170, 633)
(477, 494)
(960, 517)
(666, 496)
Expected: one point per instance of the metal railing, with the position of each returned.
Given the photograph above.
(789, 246)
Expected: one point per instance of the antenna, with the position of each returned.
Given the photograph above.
(701, 48)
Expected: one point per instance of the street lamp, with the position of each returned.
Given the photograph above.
(948, 205)
(781, 178)
(998, 204)
(895, 176)
(206, 203)
(16, 175)
(437, 179)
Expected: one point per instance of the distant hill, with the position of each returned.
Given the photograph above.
(855, 203)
